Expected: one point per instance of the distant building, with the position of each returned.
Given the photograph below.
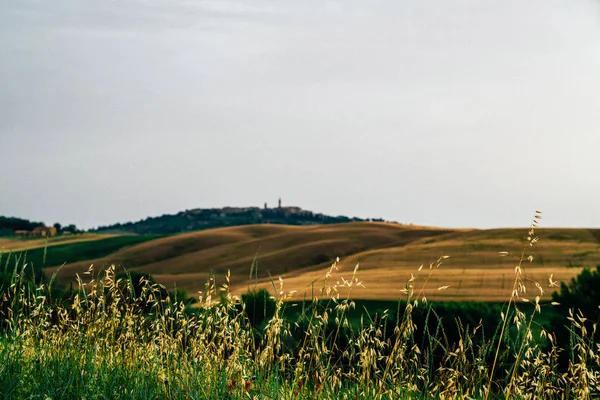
(44, 231)
(293, 210)
(38, 231)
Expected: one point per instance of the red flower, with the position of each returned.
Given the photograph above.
(231, 384)
(300, 384)
(247, 385)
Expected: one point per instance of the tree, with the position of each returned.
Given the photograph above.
(10, 224)
(582, 293)
(58, 227)
(260, 307)
(70, 228)
(582, 296)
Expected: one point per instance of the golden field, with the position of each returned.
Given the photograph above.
(387, 254)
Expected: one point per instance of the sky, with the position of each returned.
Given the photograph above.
(462, 113)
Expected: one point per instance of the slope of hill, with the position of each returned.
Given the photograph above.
(389, 254)
(474, 271)
(199, 219)
(190, 258)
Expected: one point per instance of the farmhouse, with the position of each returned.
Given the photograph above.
(38, 231)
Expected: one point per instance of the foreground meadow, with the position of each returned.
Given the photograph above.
(129, 338)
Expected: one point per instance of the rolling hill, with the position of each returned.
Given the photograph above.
(388, 254)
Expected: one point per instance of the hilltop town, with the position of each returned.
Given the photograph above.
(185, 221)
(207, 218)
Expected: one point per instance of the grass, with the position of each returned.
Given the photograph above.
(104, 342)
(187, 259)
(28, 243)
(83, 250)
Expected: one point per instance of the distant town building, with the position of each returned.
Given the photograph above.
(44, 231)
(293, 210)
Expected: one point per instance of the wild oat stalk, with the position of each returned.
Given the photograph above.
(518, 289)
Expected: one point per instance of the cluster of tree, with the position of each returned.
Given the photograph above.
(579, 300)
(582, 293)
(8, 225)
(71, 228)
(199, 219)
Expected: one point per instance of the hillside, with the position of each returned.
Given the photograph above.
(280, 249)
(388, 254)
(474, 270)
(209, 218)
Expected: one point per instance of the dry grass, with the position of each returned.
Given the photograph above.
(387, 252)
(281, 250)
(475, 272)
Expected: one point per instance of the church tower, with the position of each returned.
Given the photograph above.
(279, 202)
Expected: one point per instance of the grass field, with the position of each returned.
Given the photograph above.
(20, 244)
(72, 250)
(107, 339)
(105, 342)
(387, 253)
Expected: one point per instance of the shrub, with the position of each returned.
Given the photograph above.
(582, 293)
(259, 307)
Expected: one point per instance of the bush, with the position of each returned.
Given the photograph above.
(260, 307)
(582, 293)
(579, 300)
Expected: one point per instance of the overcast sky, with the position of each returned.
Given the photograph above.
(447, 113)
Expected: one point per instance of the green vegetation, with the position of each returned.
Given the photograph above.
(78, 251)
(582, 293)
(8, 225)
(128, 339)
(199, 219)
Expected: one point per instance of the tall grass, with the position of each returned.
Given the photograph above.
(105, 342)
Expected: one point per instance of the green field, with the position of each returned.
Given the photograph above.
(105, 342)
(58, 254)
